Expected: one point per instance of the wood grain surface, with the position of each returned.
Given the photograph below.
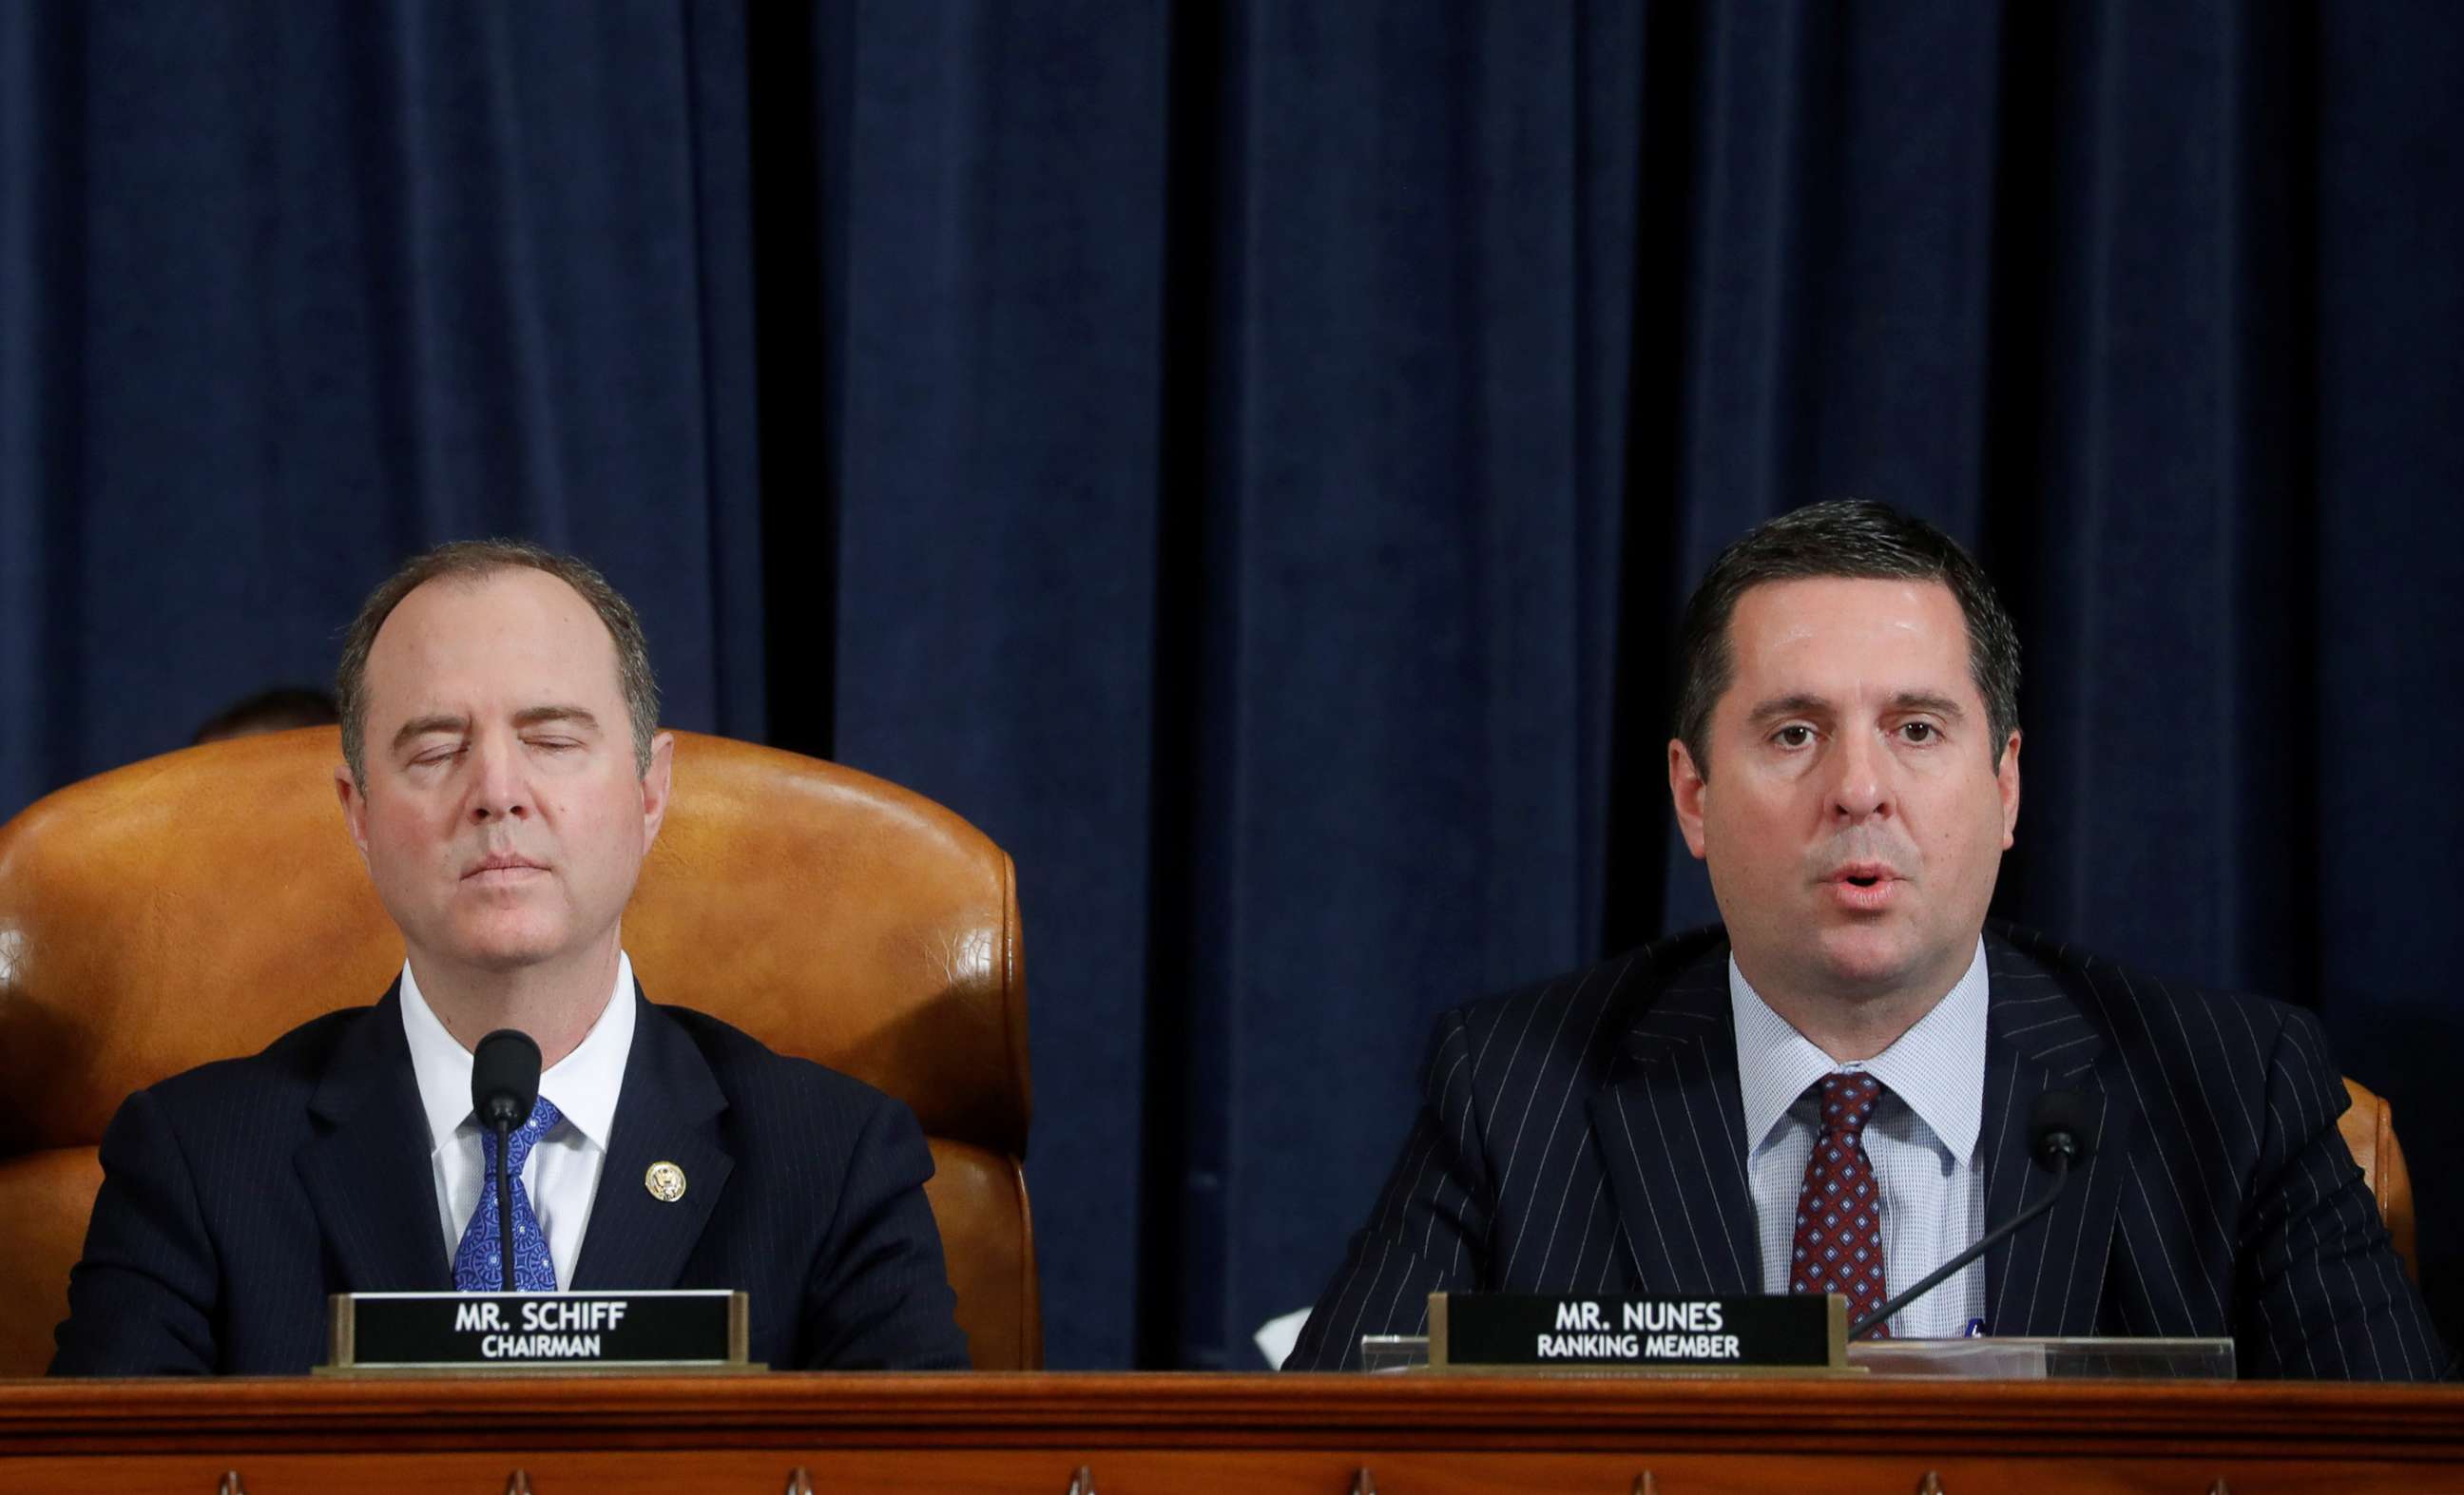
(1186, 1432)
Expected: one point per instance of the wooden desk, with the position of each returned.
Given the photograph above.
(1177, 1433)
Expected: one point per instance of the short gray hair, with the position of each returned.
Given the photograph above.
(472, 561)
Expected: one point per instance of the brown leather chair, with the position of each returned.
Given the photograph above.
(197, 904)
(2369, 1131)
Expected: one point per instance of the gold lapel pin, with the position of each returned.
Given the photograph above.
(666, 1182)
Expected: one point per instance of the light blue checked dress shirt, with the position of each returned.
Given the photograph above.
(1924, 1142)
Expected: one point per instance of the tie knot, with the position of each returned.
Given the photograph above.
(1848, 1102)
(543, 1115)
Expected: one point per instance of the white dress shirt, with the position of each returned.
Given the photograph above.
(1923, 1140)
(561, 1173)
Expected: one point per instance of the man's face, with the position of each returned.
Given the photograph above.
(1852, 816)
(503, 823)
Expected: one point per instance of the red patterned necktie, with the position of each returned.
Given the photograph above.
(1840, 1210)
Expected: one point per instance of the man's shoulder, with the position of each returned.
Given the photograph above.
(283, 1073)
(1584, 1014)
(750, 1072)
(1588, 1013)
(2135, 1007)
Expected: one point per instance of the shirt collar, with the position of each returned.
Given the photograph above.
(584, 1084)
(1937, 1067)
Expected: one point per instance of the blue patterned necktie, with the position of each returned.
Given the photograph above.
(475, 1261)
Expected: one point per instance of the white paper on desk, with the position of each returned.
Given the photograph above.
(1276, 1337)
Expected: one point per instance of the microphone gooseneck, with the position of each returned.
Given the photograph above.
(504, 1086)
(2061, 1132)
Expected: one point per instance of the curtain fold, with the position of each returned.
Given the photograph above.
(295, 289)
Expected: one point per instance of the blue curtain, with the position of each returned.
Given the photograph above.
(1247, 455)
(288, 290)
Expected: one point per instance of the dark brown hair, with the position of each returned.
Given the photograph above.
(1854, 540)
(275, 709)
(470, 560)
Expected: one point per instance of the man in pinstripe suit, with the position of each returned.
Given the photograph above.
(1846, 763)
(503, 779)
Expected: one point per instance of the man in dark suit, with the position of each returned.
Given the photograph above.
(1831, 1092)
(503, 780)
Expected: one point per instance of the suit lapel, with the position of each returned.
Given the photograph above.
(1670, 1124)
(2049, 1276)
(667, 1112)
(367, 1172)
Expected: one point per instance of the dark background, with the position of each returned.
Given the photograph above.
(1249, 458)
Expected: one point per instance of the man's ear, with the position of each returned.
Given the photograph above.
(1686, 787)
(656, 784)
(355, 807)
(2007, 778)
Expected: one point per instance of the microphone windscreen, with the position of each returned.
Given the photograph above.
(2065, 1110)
(504, 1076)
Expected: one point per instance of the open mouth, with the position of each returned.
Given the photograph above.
(1866, 888)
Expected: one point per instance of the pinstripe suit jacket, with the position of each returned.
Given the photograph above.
(1586, 1135)
(236, 1195)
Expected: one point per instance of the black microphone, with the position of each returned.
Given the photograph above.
(504, 1086)
(2061, 1132)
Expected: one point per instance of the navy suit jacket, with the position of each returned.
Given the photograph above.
(1586, 1135)
(236, 1195)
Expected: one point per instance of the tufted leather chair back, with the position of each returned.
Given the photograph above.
(198, 905)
